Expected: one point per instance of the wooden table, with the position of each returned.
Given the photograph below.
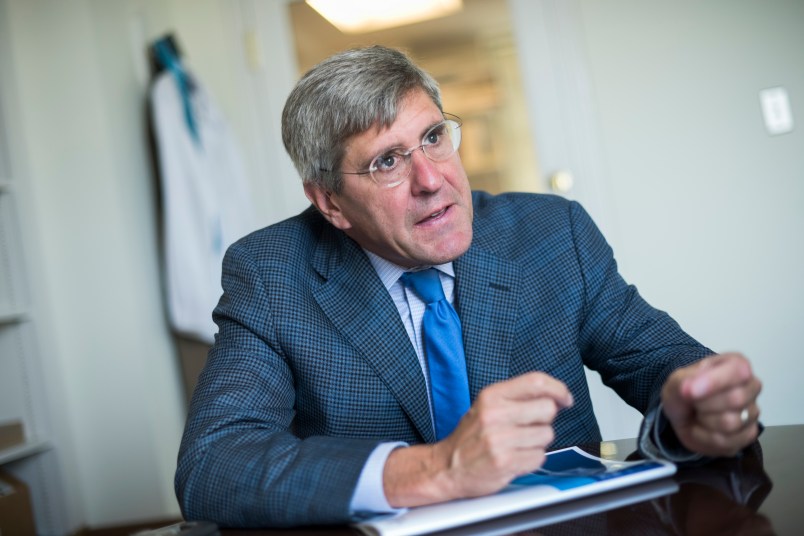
(762, 492)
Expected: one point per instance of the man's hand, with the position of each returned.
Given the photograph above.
(712, 405)
(504, 434)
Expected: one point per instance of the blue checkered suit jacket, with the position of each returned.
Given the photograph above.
(312, 367)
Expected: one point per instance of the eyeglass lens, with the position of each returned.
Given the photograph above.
(438, 144)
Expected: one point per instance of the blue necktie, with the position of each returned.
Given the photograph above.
(443, 346)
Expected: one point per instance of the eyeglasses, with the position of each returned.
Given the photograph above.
(392, 168)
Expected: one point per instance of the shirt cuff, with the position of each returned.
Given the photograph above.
(654, 442)
(369, 497)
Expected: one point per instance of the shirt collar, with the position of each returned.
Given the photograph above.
(389, 272)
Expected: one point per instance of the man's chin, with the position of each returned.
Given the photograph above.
(444, 253)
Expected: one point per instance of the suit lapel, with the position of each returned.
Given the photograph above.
(486, 299)
(359, 306)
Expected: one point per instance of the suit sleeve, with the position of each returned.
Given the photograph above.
(239, 463)
(633, 346)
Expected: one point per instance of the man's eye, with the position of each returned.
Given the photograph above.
(385, 162)
(434, 136)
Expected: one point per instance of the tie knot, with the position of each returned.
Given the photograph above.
(426, 284)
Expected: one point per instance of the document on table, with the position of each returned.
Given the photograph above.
(567, 474)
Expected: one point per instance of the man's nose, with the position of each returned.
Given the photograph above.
(425, 176)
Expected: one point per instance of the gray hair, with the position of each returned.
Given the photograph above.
(344, 95)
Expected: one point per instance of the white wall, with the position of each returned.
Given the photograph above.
(654, 106)
(706, 204)
(81, 76)
(95, 217)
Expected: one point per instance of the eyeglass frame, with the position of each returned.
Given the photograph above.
(406, 154)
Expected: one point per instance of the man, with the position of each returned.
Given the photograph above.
(320, 402)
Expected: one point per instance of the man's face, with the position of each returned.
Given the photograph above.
(425, 220)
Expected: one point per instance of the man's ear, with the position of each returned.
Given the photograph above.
(328, 205)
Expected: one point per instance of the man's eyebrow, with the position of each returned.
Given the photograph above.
(440, 121)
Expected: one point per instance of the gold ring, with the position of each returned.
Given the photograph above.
(744, 416)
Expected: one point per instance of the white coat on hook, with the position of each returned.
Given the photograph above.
(206, 202)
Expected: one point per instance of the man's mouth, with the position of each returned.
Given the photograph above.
(434, 215)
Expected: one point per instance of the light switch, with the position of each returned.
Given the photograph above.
(776, 110)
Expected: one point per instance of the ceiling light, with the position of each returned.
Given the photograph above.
(358, 16)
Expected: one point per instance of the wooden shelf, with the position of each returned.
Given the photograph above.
(18, 452)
